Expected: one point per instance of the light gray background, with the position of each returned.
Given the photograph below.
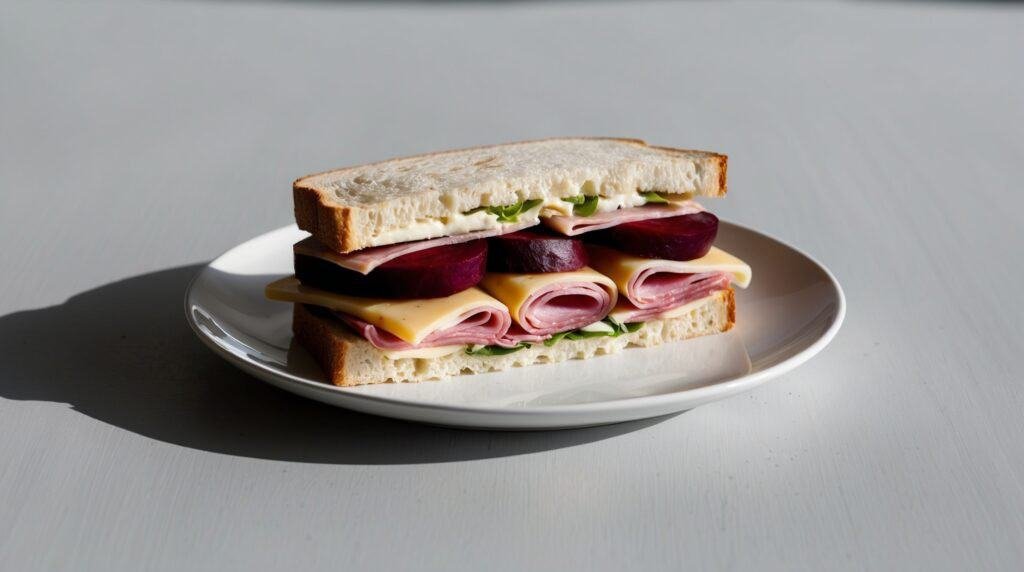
(140, 139)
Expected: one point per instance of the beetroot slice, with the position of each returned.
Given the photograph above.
(431, 273)
(531, 251)
(683, 237)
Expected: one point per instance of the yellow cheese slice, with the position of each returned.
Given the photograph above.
(514, 289)
(410, 320)
(621, 267)
(621, 313)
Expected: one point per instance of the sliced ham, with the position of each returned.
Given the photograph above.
(365, 260)
(554, 307)
(476, 329)
(486, 325)
(563, 306)
(653, 292)
(516, 334)
(574, 225)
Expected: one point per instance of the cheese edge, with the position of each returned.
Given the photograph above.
(622, 267)
(409, 320)
(514, 289)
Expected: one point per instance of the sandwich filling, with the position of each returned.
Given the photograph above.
(482, 325)
(469, 316)
(591, 269)
(364, 261)
(652, 287)
(547, 303)
(574, 225)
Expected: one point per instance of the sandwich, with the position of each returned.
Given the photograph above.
(488, 258)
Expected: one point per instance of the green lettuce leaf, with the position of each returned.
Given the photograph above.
(495, 350)
(588, 207)
(618, 328)
(554, 339)
(583, 205)
(508, 213)
(653, 197)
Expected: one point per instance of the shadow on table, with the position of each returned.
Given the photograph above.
(123, 354)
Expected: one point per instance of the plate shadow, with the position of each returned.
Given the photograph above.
(123, 354)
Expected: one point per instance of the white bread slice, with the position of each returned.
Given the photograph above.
(358, 207)
(348, 359)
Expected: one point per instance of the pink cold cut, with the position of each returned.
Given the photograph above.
(574, 225)
(365, 260)
(654, 291)
(564, 306)
(517, 334)
(486, 325)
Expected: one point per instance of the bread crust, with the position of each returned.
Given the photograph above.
(325, 339)
(730, 304)
(348, 359)
(341, 227)
(721, 164)
(330, 224)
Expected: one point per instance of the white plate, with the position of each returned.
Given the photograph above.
(791, 311)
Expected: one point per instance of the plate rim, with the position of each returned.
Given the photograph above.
(729, 386)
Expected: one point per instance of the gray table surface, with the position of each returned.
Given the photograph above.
(140, 139)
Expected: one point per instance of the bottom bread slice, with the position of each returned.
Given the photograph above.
(348, 359)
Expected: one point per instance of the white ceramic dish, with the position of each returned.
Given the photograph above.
(791, 311)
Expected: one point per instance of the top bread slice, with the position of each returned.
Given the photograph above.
(358, 207)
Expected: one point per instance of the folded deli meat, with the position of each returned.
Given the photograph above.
(512, 309)
(545, 250)
(651, 287)
(572, 225)
(542, 304)
(363, 261)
